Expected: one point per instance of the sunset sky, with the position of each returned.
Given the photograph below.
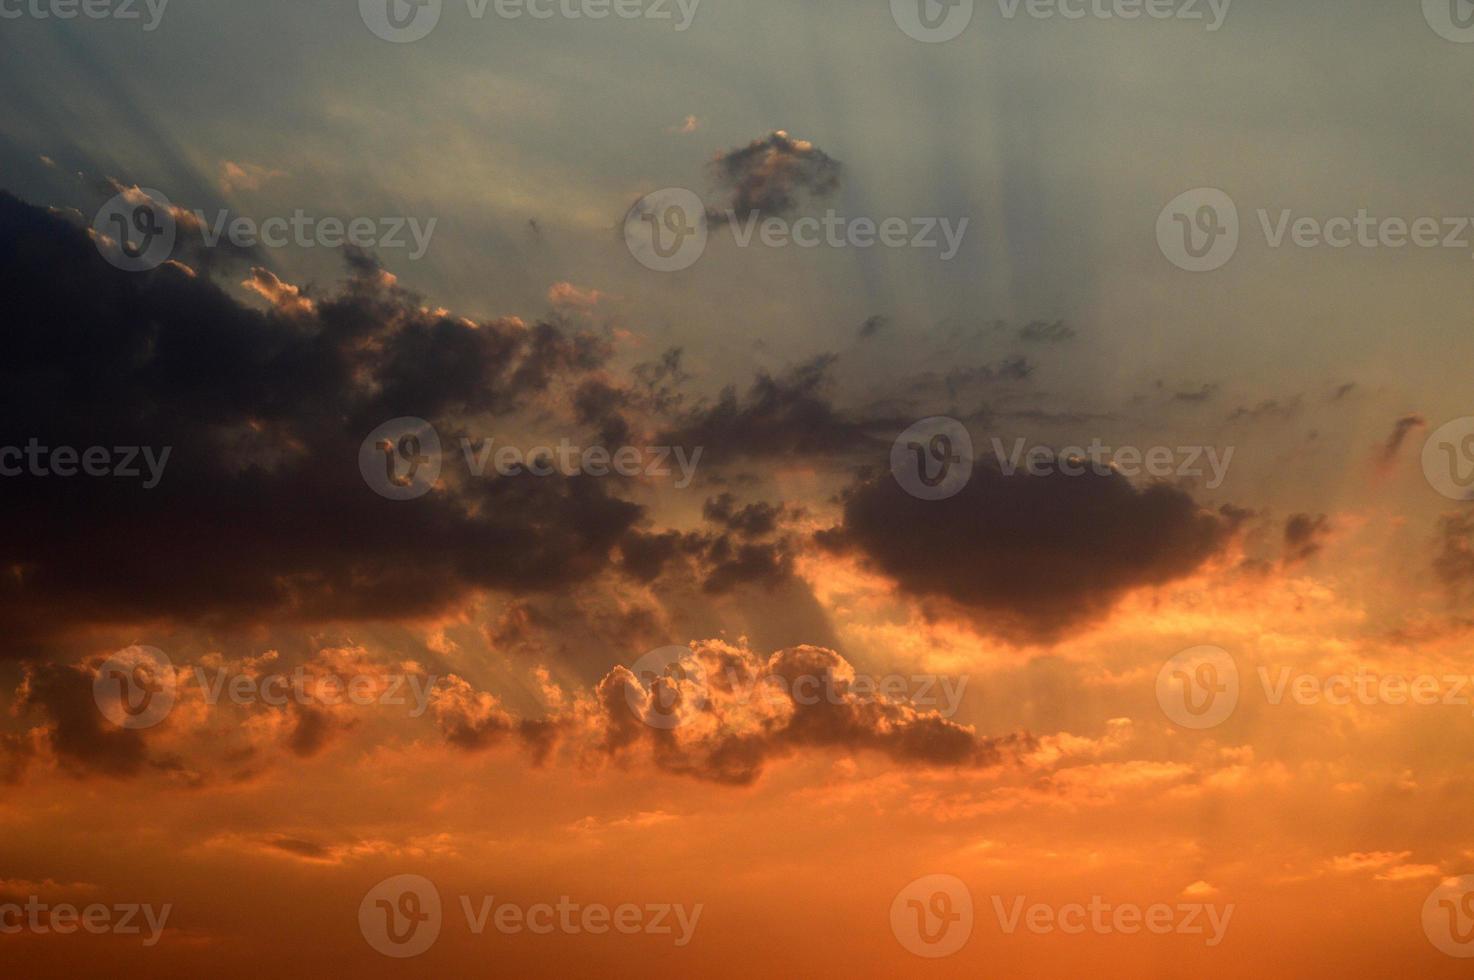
(833, 716)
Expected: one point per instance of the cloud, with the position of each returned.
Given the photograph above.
(768, 176)
(261, 511)
(245, 176)
(1304, 537)
(1400, 429)
(1030, 557)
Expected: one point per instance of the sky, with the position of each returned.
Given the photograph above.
(730, 488)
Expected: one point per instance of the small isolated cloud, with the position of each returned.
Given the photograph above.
(769, 175)
(688, 125)
(1387, 455)
(245, 176)
(565, 296)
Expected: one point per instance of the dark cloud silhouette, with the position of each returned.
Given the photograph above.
(261, 511)
(769, 176)
(1304, 537)
(777, 416)
(1398, 435)
(1030, 557)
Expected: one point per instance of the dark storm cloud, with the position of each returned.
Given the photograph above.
(1304, 536)
(769, 176)
(777, 416)
(261, 510)
(79, 735)
(1030, 557)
